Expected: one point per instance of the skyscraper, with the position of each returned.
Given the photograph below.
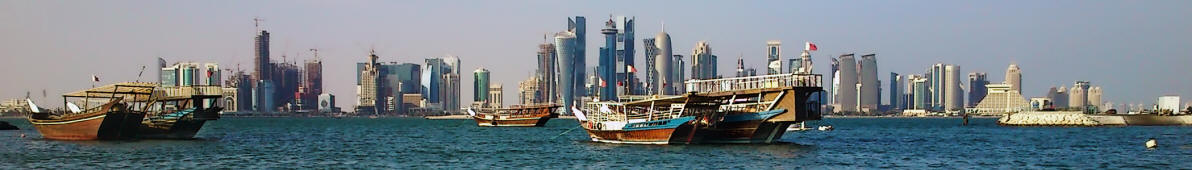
(835, 81)
(920, 94)
(547, 74)
(1014, 77)
(264, 71)
(578, 28)
(480, 85)
(847, 93)
(607, 68)
(665, 65)
(703, 63)
(565, 44)
(677, 76)
(869, 84)
(977, 89)
(651, 54)
(740, 67)
(626, 69)
(895, 96)
(366, 86)
(954, 96)
(773, 57)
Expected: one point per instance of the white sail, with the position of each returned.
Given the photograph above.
(578, 114)
(33, 107)
(73, 108)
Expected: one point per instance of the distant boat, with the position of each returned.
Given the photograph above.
(517, 116)
(118, 118)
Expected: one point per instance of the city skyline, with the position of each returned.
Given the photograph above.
(1055, 43)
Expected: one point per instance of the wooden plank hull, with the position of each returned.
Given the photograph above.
(184, 127)
(109, 126)
(757, 131)
(653, 136)
(537, 121)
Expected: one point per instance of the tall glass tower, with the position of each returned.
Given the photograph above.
(607, 68)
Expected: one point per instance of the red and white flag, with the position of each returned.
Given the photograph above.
(603, 83)
(630, 68)
(810, 47)
(94, 78)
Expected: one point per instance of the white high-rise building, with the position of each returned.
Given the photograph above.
(848, 84)
(953, 95)
(1014, 77)
(662, 64)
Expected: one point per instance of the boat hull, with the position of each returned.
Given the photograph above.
(668, 131)
(108, 126)
(514, 122)
(653, 136)
(184, 127)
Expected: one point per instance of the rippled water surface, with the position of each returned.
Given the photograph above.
(906, 143)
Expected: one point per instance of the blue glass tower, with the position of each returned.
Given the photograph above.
(577, 27)
(607, 70)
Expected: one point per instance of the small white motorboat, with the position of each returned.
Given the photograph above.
(826, 128)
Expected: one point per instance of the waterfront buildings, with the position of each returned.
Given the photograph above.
(1094, 96)
(1168, 104)
(1078, 95)
(920, 93)
(577, 26)
(665, 64)
(846, 92)
(896, 95)
(440, 84)
(1014, 77)
(528, 91)
(1001, 99)
(625, 68)
(703, 63)
(606, 69)
(977, 89)
(571, 89)
(496, 96)
(191, 74)
(869, 87)
(677, 76)
(380, 86)
(480, 85)
(547, 75)
(1059, 97)
(946, 94)
(773, 57)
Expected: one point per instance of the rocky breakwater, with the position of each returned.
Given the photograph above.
(1048, 119)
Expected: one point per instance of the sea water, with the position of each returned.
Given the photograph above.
(415, 143)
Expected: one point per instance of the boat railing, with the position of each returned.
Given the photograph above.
(754, 82)
(620, 112)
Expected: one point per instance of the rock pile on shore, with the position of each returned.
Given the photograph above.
(1048, 119)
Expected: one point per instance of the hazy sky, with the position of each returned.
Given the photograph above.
(1135, 50)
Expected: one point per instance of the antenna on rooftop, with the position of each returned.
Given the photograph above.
(316, 51)
(256, 22)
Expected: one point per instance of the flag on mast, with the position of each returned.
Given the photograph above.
(94, 78)
(810, 46)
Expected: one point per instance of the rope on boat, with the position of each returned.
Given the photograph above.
(565, 132)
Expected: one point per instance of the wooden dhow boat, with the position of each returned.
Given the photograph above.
(754, 109)
(180, 112)
(517, 116)
(116, 114)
